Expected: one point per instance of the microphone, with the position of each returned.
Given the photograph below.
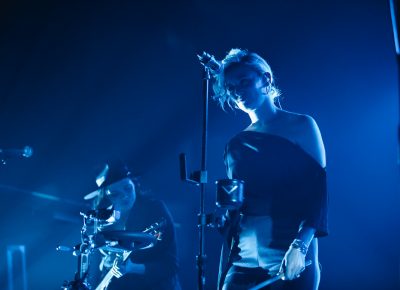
(26, 152)
(210, 62)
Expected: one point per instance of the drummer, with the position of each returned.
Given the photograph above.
(149, 268)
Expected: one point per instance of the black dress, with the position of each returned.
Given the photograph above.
(285, 189)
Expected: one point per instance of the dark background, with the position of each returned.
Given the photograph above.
(81, 81)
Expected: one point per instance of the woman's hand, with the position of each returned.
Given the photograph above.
(292, 264)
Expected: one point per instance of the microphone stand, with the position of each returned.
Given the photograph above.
(200, 259)
(199, 178)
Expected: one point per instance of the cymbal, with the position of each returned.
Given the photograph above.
(128, 241)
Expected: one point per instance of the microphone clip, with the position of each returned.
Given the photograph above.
(210, 63)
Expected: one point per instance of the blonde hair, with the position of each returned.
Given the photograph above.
(241, 56)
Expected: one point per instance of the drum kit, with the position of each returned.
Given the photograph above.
(102, 246)
(98, 245)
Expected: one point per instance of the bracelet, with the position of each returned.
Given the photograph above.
(299, 245)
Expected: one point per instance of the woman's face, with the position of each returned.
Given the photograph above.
(122, 193)
(246, 87)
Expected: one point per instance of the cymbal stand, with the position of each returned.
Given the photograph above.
(91, 223)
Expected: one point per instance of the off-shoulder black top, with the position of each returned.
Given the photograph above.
(281, 181)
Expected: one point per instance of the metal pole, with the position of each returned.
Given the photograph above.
(201, 258)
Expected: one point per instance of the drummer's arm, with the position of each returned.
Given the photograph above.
(121, 269)
(134, 268)
(163, 261)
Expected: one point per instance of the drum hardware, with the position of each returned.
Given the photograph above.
(128, 241)
(90, 241)
(123, 243)
(146, 239)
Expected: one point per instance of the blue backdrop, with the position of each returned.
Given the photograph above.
(81, 81)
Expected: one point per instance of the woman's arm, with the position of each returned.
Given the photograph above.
(294, 261)
(311, 140)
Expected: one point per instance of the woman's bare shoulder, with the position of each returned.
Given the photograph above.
(306, 133)
(311, 139)
(296, 118)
